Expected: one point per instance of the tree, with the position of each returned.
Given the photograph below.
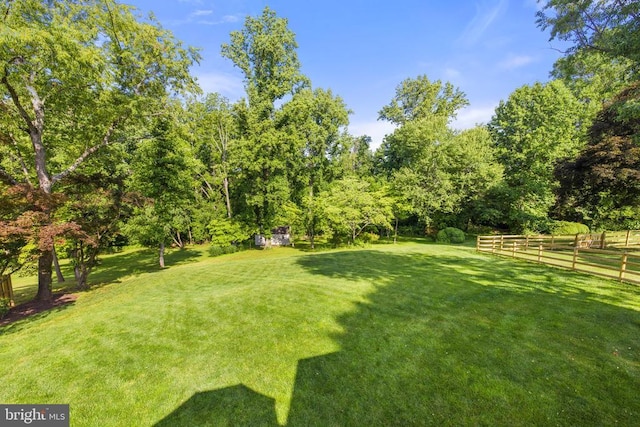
(17, 229)
(312, 121)
(351, 205)
(162, 176)
(471, 163)
(214, 131)
(95, 202)
(611, 27)
(419, 98)
(536, 127)
(72, 74)
(411, 142)
(422, 110)
(593, 77)
(265, 51)
(601, 186)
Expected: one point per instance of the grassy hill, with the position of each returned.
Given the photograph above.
(407, 334)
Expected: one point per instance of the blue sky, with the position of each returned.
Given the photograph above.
(362, 50)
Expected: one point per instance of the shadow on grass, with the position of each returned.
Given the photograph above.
(448, 340)
(20, 316)
(112, 268)
(115, 267)
(231, 406)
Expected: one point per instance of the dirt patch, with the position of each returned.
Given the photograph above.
(32, 308)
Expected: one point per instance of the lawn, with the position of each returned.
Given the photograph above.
(407, 334)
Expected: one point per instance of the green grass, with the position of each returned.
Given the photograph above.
(407, 334)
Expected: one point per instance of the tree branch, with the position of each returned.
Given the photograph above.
(6, 177)
(16, 100)
(20, 160)
(88, 152)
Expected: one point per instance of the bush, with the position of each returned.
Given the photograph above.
(559, 228)
(450, 235)
(368, 237)
(217, 250)
(5, 305)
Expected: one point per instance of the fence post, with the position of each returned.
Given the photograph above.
(552, 239)
(540, 253)
(626, 241)
(623, 265)
(575, 257)
(6, 289)
(501, 241)
(478, 243)
(513, 248)
(602, 240)
(576, 242)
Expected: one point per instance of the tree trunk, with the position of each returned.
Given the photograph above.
(178, 240)
(395, 236)
(227, 198)
(82, 274)
(311, 215)
(56, 265)
(45, 262)
(161, 254)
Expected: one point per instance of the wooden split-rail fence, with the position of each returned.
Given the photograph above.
(614, 255)
(6, 288)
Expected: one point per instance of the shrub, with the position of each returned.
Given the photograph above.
(5, 305)
(450, 235)
(559, 228)
(217, 250)
(368, 237)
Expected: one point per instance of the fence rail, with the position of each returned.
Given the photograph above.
(614, 255)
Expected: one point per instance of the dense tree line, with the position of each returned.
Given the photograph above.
(105, 137)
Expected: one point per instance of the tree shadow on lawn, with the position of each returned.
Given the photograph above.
(113, 268)
(446, 340)
(15, 320)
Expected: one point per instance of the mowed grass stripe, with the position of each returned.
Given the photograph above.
(410, 334)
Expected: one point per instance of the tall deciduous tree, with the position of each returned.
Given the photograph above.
(421, 109)
(312, 121)
(95, 201)
(611, 27)
(350, 205)
(536, 127)
(420, 98)
(71, 74)
(162, 175)
(265, 52)
(214, 130)
(601, 186)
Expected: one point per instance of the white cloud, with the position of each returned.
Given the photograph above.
(226, 19)
(485, 15)
(230, 18)
(452, 74)
(472, 116)
(228, 85)
(202, 13)
(516, 61)
(377, 130)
